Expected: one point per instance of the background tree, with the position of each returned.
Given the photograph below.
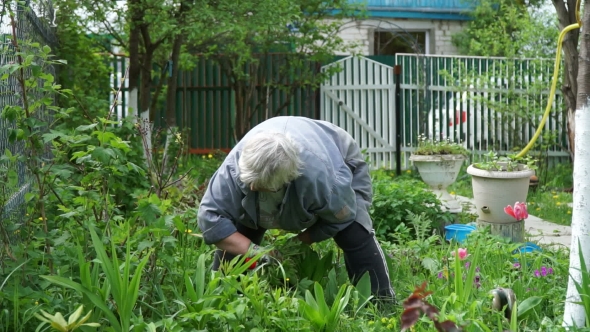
(508, 28)
(163, 38)
(566, 14)
(302, 32)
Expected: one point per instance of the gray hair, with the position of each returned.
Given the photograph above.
(269, 160)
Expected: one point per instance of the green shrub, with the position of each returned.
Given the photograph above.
(393, 197)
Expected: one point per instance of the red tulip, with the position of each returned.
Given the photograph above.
(517, 212)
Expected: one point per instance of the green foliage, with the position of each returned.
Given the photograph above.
(59, 323)
(429, 146)
(322, 316)
(394, 197)
(583, 284)
(88, 71)
(199, 170)
(463, 292)
(96, 176)
(249, 37)
(508, 28)
(527, 306)
(112, 232)
(552, 205)
(509, 163)
(556, 177)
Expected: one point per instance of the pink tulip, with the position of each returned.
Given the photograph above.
(517, 212)
(522, 210)
(462, 253)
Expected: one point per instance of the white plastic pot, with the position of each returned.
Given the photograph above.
(493, 191)
(439, 172)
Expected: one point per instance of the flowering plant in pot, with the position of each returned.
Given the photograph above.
(498, 182)
(438, 163)
(430, 147)
(508, 163)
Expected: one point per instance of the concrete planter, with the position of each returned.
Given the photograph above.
(439, 172)
(493, 191)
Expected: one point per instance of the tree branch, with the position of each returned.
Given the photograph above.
(114, 33)
(145, 34)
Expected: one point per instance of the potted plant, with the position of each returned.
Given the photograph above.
(438, 163)
(498, 182)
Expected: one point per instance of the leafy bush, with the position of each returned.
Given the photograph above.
(394, 197)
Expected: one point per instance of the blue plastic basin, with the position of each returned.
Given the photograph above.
(458, 232)
(526, 248)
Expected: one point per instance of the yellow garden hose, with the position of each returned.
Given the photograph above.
(554, 81)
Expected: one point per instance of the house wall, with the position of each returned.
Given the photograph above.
(361, 33)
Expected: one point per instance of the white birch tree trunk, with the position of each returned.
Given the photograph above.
(142, 119)
(132, 106)
(574, 314)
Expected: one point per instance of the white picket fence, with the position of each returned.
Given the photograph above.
(486, 103)
(360, 100)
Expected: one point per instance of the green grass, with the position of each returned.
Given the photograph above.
(551, 206)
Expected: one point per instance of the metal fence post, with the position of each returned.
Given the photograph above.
(397, 71)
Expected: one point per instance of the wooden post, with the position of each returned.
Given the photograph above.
(514, 231)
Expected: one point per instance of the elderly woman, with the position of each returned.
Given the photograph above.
(300, 175)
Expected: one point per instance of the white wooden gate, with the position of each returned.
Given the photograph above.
(360, 99)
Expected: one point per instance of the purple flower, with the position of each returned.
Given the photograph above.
(537, 273)
(477, 269)
(550, 270)
(516, 265)
(543, 271)
(440, 275)
(467, 265)
(477, 282)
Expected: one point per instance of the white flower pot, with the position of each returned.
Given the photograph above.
(439, 172)
(493, 191)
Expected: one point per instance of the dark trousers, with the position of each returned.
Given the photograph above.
(362, 253)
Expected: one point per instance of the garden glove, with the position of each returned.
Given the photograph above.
(268, 255)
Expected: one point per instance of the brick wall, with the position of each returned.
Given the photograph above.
(359, 34)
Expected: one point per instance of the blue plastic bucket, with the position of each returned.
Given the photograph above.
(458, 232)
(526, 248)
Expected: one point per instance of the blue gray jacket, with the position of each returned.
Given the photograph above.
(333, 191)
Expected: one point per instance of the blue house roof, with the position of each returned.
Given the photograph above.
(419, 9)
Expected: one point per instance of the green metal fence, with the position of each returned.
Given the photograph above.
(205, 104)
(488, 103)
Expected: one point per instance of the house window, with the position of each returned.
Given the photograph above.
(392, 42)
